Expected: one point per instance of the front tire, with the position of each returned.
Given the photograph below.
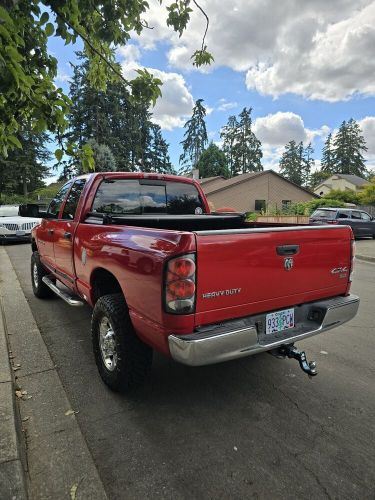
(40, 289)
(123, 360)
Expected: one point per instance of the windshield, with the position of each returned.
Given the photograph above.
(8, 210)
(324, 214)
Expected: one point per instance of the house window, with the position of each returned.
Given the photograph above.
(285, 203)
(260, 205)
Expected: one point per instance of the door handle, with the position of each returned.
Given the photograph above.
(67, 235)
(287, 249)
(50, 231)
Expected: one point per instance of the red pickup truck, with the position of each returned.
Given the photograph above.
(162, 272)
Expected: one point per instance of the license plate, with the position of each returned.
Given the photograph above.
(279, 321)
(20, 233)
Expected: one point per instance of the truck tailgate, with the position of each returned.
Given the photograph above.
(243, 272)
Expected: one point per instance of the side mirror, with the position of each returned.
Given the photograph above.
(29, 210)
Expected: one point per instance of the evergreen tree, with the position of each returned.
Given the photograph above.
(212, 162)
(23, 170)
(348, 148)
(296, 162)
(103, 156)
(195, 138)
(240, 145)
(112, 121)
(247, 150)
(228, 135)
(327, 156)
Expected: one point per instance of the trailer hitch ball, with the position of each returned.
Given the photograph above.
(291, 351)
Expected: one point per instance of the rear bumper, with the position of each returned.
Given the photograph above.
(244, 337)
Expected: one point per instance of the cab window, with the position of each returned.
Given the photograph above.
(356, 215)
(55, 205)
(73, 199)
(365, 216)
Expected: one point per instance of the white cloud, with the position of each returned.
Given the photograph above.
(226, 105)
(176, 103)
(130, 52)
(367, 125)
(320, 50)
(279, 128)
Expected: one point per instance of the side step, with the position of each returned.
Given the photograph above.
(72, 300)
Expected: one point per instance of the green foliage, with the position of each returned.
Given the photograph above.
(345, 196)
(24, 169)
(112, 120)
(317, 178)
(296, 163)
(367, 195)
(348, 148)
(28, 70)
(327, 157)
(303, 208)
(240, 145)
(212, 162)
(195, 138)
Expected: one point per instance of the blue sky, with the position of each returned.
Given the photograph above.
(303, 67)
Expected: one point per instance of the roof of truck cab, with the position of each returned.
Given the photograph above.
(139, 175)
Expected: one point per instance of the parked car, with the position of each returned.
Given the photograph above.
(163, 273)
(14, 226)
(362, 223)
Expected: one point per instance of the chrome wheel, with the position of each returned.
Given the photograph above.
(107, 344)
(35, 275)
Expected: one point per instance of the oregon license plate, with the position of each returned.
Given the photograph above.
(20, 233)
(279, 321)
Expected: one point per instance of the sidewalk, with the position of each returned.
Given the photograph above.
(365, 250)
(35, 412)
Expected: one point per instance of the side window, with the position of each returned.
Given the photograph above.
(343, 215)
(73, 199)
(356, 215)
(260, 205)
(55, 205)
(365, 216)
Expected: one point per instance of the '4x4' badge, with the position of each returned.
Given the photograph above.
(288, 263)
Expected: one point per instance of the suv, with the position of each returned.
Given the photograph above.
(15, 225)
(362, 223)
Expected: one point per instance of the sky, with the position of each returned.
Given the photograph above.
(303, 68)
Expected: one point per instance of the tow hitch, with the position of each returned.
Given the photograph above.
(291, 351)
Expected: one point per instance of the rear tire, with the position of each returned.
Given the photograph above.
(123, 360)
(40, 289)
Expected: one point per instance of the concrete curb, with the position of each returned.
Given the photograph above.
(12, 453)
(59, 463)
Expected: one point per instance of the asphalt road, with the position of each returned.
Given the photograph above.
(252, 428)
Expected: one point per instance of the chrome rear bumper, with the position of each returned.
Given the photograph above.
(223, 342)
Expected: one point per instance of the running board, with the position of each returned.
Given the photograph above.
(72, 300)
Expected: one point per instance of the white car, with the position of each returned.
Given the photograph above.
(13, 227)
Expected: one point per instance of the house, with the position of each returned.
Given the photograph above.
(253, 191)
(343, 182)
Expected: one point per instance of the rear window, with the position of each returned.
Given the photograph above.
(141, 196)
(324, 214)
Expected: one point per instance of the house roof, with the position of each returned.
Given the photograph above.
(206, 180)
(353, 179)
(225, 184)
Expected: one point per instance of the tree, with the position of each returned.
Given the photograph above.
(327, 156)
(23, 170)
(367, 194)
(317, 178)
(348, 148)
(240, 145)
(212, 162)
(111, 120)
(103, 156)
(27, 69)
(345, 196)
(247, 150)
(228, 135)
(195, 138)
(296, 162)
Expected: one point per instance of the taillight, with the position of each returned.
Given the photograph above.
(179, 286)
